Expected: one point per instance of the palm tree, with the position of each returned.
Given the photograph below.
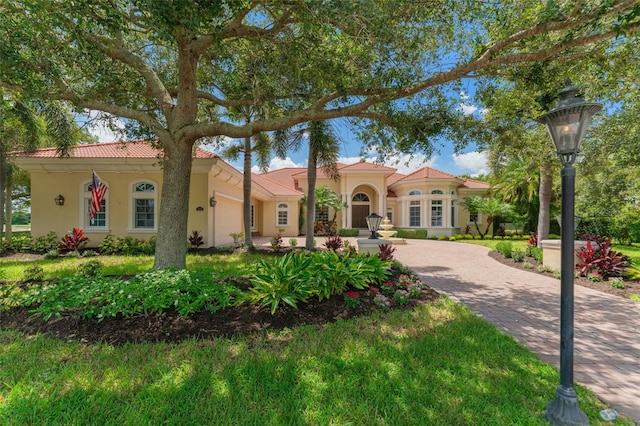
(326, 199)
(324, 151)
(26, 125)
(517, 183)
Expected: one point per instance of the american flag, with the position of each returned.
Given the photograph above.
(98, 189)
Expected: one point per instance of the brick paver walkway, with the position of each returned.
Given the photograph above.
(526, 305)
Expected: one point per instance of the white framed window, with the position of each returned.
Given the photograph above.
(474, 217)
(415, 192)
(144, 197)
(360, 197)
(437, 192)
(282, 214)
(414, 213)
(436, 212)
(100, 221)
(390, 214)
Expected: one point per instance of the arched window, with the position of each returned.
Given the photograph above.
(100, 221)
(415, 192)
(282, 214)
(437, 192)
(360, 197)
(144, 203)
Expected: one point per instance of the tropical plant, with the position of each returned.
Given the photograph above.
(73, 241)
(334, 243)
(195, 239)
(386, 251)
(276, 243)
(601, 259)
(286, 279)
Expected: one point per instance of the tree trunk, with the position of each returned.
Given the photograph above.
(246, 192)
(9, 211)
(3, 184)
(546, 190)
(171, 248)
(311, 198)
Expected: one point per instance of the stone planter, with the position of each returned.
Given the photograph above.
(371, 246)
(551, 253)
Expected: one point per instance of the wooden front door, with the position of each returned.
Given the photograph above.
(359, 215)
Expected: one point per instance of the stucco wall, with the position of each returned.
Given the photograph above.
(46, 216)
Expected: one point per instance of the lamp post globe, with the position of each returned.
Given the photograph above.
(373, 223)
(567, 123)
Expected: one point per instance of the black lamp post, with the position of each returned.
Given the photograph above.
(567, 124)
(373, 223)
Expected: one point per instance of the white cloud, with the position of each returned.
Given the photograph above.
(278, 163)
(468, 109)
(405, 163)
(349, 160)
(103, 126)
(473, 162)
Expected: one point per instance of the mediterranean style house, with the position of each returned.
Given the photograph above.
(61, 195)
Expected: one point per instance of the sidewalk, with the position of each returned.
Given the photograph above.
(526, 305)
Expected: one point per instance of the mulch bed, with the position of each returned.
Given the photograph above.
(169, 326)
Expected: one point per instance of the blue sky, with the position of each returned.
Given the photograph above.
(469, 162)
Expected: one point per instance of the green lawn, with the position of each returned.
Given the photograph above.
(437, 364)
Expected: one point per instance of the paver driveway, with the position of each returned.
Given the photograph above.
(526, 305)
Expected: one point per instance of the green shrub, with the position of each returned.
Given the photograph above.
(293, 242)
(527, 265)
(20, 243)
(535, 252)
(517, 255)
(89, 253)
(34, 273)
(52, 254)
(505, 247)
(285, 279)
(348, 232)
(90, 269)
(443, 238)
(333, 273)
(45, 243)
(108, 245)
(410, 233)
(155, 291)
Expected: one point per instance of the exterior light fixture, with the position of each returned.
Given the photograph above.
(59, 200)
(567, 124)
(213, 201)
(373, 223)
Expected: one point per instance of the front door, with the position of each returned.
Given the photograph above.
(359, 215)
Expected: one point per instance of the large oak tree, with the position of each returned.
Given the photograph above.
(162, 65)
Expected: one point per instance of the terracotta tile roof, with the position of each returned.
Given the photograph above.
(428, 173)
(135, 149)
(391, 194)
(363, 165)
(394, 178)
(474, 184)
(283, 176)
(274, 187)
(302, 172)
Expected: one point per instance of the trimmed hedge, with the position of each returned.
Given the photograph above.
(414, 234)
(348, 232)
